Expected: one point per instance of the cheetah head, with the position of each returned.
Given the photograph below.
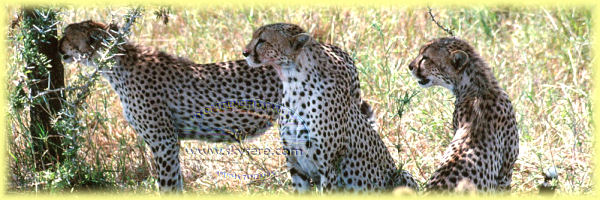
(81, 41)
(441, 62)
(275, 44)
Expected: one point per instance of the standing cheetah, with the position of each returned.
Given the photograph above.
(486, 141)
(162, 95)
(321, 87)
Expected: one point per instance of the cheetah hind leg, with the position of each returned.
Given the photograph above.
(166, 159)
(504, 182)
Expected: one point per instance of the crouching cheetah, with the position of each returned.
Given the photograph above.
(486, 141)
(165, 98)
(321, 88)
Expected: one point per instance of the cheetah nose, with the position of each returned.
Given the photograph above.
(410, 67)
(246, 53)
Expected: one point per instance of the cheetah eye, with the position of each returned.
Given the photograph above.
(90, 40)
(258, 44)
(423, 59)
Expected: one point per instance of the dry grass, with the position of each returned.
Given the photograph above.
(541, 57)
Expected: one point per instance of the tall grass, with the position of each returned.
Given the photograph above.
(540, 56)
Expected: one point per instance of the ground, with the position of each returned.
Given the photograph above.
(540, 57)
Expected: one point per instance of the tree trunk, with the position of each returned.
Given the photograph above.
(47, 152)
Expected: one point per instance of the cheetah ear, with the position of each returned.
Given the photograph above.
(459, 59)
(298, 41)
(102, 32)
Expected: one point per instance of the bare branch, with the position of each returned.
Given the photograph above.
(447, 30)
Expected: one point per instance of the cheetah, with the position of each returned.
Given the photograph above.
(162, 95)
(321, 87)
(485, 145)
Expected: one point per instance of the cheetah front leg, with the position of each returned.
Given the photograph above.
(300, 180)
(329, 164)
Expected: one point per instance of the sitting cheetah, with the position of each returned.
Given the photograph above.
(162, 95)
(321, 88)
(486, 141)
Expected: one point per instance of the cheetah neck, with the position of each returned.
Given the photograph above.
(476, 81)
(129, 60)
(476, 87)
(125, 53)
(296, 77)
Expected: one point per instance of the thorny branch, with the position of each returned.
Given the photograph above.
(447, 30)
